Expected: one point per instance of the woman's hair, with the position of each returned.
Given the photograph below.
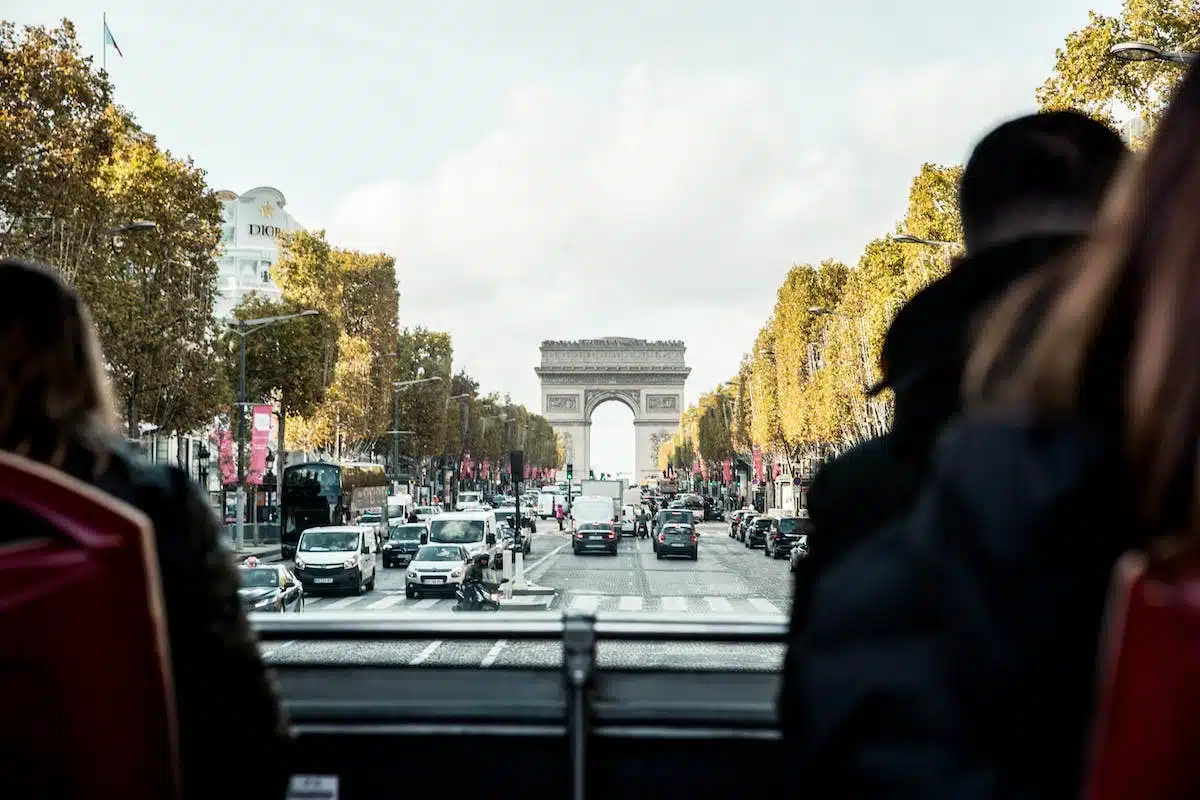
(1119, 318)
(53, 388)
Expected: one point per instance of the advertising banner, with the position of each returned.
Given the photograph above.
(260, 437)
(757, 458)
(727, 470)
(225, 455)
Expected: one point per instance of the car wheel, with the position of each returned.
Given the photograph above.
(371, 583)
(658, 556)
(358, 583)
(696, 556)
(408, 592)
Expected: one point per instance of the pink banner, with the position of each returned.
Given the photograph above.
(225, 455)
(727, 470)
(260, 437)
(757, 458)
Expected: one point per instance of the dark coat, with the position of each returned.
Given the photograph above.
(228, 706)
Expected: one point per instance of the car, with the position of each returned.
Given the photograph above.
(669, 516)
(336, 557)
(402, 542)
(675, 539)
(798, 554)
(507, 516)
(435, 569)
(757, 530)
(594, 537)
(785, 534)
(268, 588)
(426, 513)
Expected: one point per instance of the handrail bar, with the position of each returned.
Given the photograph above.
(520, 626)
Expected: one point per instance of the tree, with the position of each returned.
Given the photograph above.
(152, 299)
(421, 353)
(714, 438)
(58, 130)
(765, 429)
(1087, 78)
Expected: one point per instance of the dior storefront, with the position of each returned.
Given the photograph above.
(252, 222)
(648, 377)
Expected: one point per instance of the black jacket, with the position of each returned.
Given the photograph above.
(228, 707)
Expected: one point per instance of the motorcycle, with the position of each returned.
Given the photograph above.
(478, 596)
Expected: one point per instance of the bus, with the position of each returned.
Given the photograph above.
(321, 493)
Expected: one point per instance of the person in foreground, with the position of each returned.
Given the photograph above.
(1028, 193)
(56, 408)
(969, 670)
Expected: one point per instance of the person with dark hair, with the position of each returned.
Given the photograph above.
(1029, 191)
(56, 408)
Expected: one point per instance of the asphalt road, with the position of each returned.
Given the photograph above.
(727, 579)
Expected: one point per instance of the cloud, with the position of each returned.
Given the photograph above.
(606, 218)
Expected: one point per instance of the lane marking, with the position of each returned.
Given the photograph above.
(721, 605)
(630, 603)
(427, 602)
(311, 601)
(764, 605)
(426, 653)
(674, 604)
(529, 568)
(494, 653)
(278, 647)
(345, 601)
(387, 602)
(585, 602)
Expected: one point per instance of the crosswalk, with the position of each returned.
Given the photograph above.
(582, 602)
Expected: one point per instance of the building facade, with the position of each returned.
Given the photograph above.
(253, 221)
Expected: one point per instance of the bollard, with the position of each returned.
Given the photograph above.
(519, 570)
(507, 559)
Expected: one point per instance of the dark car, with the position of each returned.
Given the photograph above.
(669, 516)
(592, 537)
(508, 517)
(745, 524)
(735, 520)
(269, 588)
(756, 531)
(403, 540)
(785, 533)
(678, 540)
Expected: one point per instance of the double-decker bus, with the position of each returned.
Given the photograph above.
(320, 493)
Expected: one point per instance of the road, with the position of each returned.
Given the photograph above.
(727, 579)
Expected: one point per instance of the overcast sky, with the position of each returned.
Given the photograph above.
(558, 169)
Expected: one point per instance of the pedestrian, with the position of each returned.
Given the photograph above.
(56, 408)
(1028, 194)
(559, 515)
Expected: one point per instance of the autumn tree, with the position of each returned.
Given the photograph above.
(421, 353)
(1088, 78)
(58, 131)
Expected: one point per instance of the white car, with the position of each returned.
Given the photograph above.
(337, 558)
(426, 513)
(435, 568)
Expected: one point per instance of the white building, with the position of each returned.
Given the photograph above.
(252, 221)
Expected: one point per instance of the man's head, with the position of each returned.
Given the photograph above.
(1041, 173)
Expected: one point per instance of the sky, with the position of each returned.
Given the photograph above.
(561, 169)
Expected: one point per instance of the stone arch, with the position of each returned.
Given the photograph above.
(648, 377)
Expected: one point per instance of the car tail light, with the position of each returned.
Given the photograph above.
(693, 538)
(662, 537)
(612, 534)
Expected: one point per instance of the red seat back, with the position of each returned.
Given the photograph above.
(1147, 734)
(86, 702)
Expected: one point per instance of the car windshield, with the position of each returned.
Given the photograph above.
(328, 541)
(405, 533)
(456, 531)
(791, 525)
(762, 523)
(595, 526)
(370, 517)
(672, 516)
(434, 552)
(258, 577)
(425, 511)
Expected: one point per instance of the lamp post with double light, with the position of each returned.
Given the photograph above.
(1144, 51)
(243, 328)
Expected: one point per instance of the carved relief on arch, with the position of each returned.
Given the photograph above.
(594, 397)
(662, 402)
(562, 402)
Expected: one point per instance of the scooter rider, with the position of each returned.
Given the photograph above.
(474, 576)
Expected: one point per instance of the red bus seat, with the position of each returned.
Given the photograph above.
(87, 709)
(1147, 733)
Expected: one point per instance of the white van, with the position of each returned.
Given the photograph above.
(468, 499)
(548, 499)
(471, 529)
(591, 508)
(337, 557)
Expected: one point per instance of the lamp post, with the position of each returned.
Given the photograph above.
(396, 387)
(464, 427)
(1144, 51)
(908, 238)
(202, 456)
(243, 328)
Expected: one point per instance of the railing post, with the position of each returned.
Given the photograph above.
(579, 669)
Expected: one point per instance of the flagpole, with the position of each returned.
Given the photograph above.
(104, 50)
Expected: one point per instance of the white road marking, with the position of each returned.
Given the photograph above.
(426, 603)
(277, 648)
(426, 653)
(674, 604)
(311, 601)
(387, 602)
(345, 601)
(630, 603)
(764, 605)
(494, 653)
(721, 605)
(585, 602)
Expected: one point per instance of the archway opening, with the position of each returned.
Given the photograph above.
(612, 441)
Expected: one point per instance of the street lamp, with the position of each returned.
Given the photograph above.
(136, 226)
(396, 387)
(908, 238)
(464, 423)
(1144, 51)
(243, 328)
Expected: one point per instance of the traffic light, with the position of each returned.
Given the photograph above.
(570, 471)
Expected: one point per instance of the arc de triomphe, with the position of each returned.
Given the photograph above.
(648, 377)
